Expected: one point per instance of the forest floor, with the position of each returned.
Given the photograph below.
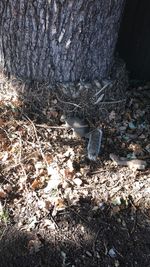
(59, 209)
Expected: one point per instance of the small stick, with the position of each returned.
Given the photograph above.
(49, 126)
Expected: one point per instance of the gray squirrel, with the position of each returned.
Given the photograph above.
(81, 127)
(94, 144)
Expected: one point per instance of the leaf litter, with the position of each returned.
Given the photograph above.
(49, 187)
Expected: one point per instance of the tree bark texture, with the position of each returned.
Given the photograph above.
(59, 40)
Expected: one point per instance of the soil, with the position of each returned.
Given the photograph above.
(57, 208)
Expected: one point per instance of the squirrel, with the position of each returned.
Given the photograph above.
(82, 128)
(79, 126)
(94, 144)
(136, 164)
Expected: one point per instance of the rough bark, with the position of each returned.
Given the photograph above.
(59, 40)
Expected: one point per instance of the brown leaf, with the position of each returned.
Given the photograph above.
(3, 194)
(69, 174)
(49, 158)
(37, 184)
(2, 122)
(60, 204)
(136, 148)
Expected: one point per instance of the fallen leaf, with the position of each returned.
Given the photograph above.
(48, 223)
(37, 184)
(49, 158)
(8, 188)
(3, 194)
(54, 181)
(38, 165)
(60, 204)
(3, 156)
(2, 122)
(69, 173)
(77, 181)
(136, 148)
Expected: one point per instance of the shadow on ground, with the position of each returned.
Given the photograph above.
(88, 234)
(82, 237)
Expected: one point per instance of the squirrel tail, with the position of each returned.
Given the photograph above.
(94, 144)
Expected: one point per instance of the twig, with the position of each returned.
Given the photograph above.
(81, 217)
(50, 127)
(69, 103)
(6, 134)
(114, 102)
(6, 227)
(98, 172)
(99, 99)
(102, 89)
(42, 154)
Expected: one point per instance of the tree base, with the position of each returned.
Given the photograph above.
(93, 100)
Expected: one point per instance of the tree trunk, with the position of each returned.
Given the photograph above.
(59, 40)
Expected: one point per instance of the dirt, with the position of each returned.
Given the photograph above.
(57, 208)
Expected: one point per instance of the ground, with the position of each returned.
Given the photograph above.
(56, 207)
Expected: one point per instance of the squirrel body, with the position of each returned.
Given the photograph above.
(82, 128)
(79, 126)
(137, 164)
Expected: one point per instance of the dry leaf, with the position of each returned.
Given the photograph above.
(60, 204)
(69, 174)
(37, 184)
(3, 194)
(3, 156)
(70, 165)
(136, 148)
(48, 223)
(77, 181)
(48, 204)
(38, 165)
(15, 147)
(49, 158)
(52, 183)
(8, 188)
(16, 103)
(2, 122)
